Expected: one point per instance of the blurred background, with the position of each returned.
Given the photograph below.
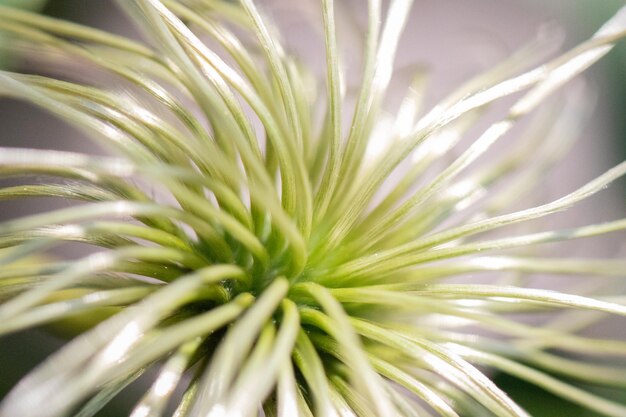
(452, 39)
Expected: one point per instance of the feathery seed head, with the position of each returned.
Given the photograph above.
(275, 251)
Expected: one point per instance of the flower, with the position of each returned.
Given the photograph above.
(261, 256)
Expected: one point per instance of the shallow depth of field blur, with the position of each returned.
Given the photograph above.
(452, 40)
